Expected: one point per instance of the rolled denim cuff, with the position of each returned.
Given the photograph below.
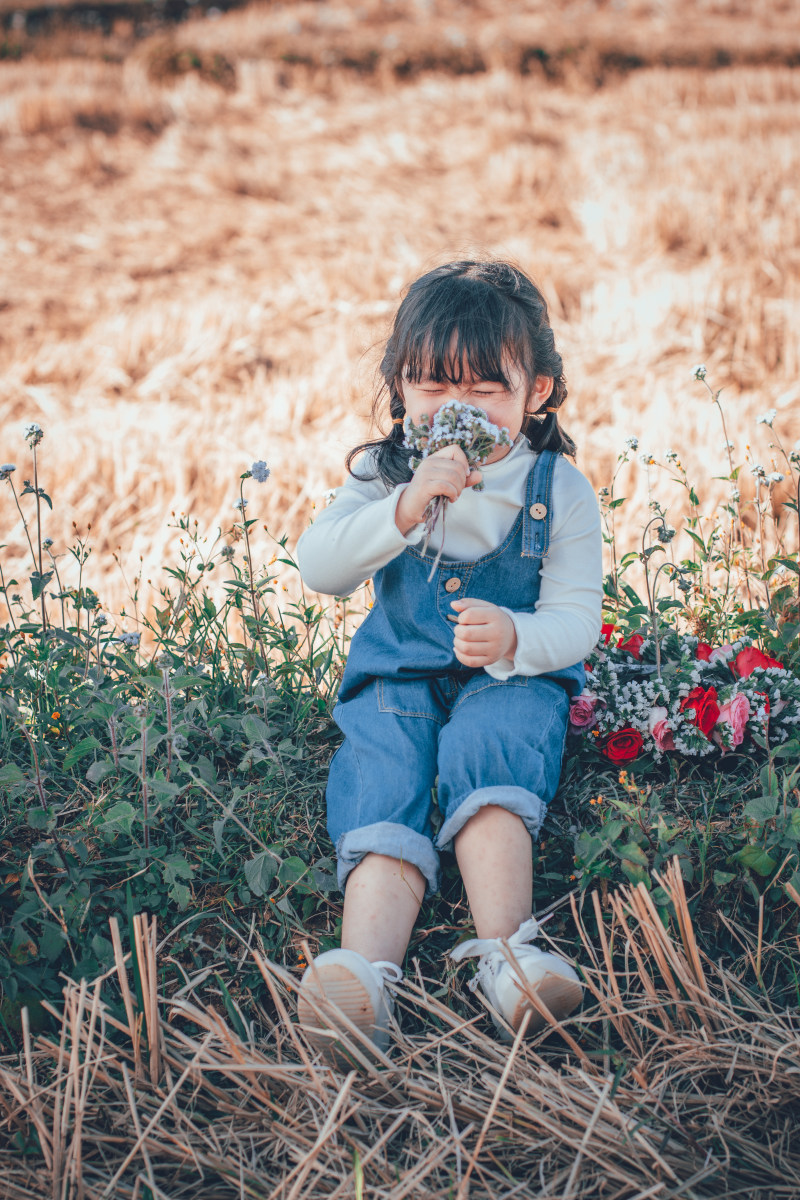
(393, 840)
(529, 807)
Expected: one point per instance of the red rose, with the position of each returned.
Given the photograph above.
(633, 645)
(747, 660)
(706, 708)
(703, 651)
(606, 632)
(623, 745)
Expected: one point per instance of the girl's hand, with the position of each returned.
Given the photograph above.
(446, 473)
(484, 633)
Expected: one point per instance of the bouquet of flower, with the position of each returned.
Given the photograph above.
(706, 699)
(454, 424)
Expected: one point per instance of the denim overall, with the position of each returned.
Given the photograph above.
(410, 710)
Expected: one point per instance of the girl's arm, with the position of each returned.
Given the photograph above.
(354, 536)
(566, 624)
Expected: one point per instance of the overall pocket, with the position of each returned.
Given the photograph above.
(411, 698)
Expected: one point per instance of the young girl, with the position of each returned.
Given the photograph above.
(467, 677)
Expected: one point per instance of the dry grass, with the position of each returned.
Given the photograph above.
(194, 275)
(675, 1080)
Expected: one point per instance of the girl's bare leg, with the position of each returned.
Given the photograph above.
(381, 902)
(494, 856)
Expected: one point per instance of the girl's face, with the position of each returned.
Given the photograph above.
(503, 405)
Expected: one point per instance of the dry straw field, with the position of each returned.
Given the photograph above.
(204, 233)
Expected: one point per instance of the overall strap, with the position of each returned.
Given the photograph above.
(537, 513)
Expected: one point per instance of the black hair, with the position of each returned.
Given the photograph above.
(473, 317)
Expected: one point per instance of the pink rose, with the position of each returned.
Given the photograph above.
(732, 722)
(581, 711)
(721, 654)
(661, 729)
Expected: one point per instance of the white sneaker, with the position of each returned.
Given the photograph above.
(344, 982)
(553, 980)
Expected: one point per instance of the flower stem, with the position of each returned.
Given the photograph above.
(39, 537)
(253, 597)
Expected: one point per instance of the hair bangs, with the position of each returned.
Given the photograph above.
(474, 336)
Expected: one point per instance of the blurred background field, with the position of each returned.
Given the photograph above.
(206, 224)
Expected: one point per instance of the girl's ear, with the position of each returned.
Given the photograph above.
(540, 393)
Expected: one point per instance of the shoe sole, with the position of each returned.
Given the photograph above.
(341, 990)
(558, 994)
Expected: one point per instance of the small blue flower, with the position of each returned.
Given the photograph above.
(6, 469)
(240, 504)
(260, 471)
(699, 372)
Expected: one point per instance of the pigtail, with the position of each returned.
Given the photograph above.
(542, 429)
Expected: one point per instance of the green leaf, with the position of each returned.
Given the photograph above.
(41, 818)
(119, 817)
(794, 824)
(218, 828)
(762, 809)
(52, 941)
(255, 730)
(183, 681)
(756, 859)
(635, 873)
(181, 894)
(11, 774)
(175, 868)
(84, 746)
(163, 789)
(98, 770)
(292, 869)
(723, 877)
(39, 582)
(260, 871)
(635, 854)
(788, 750)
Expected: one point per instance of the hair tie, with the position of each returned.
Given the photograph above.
(551, 410)
(398, 420)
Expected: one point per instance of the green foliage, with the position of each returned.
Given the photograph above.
(188, 781)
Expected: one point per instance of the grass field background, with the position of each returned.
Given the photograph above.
(200, 259)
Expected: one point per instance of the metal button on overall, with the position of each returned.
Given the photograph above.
(453, 584)
(538, 511)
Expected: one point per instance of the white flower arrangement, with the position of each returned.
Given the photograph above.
(454, 424)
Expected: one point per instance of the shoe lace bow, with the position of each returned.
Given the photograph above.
(490, 951)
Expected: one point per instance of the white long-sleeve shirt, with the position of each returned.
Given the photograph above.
(356, 535)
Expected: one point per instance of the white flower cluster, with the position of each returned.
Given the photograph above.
(130, 639)
(260, 471)
(455, 424)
